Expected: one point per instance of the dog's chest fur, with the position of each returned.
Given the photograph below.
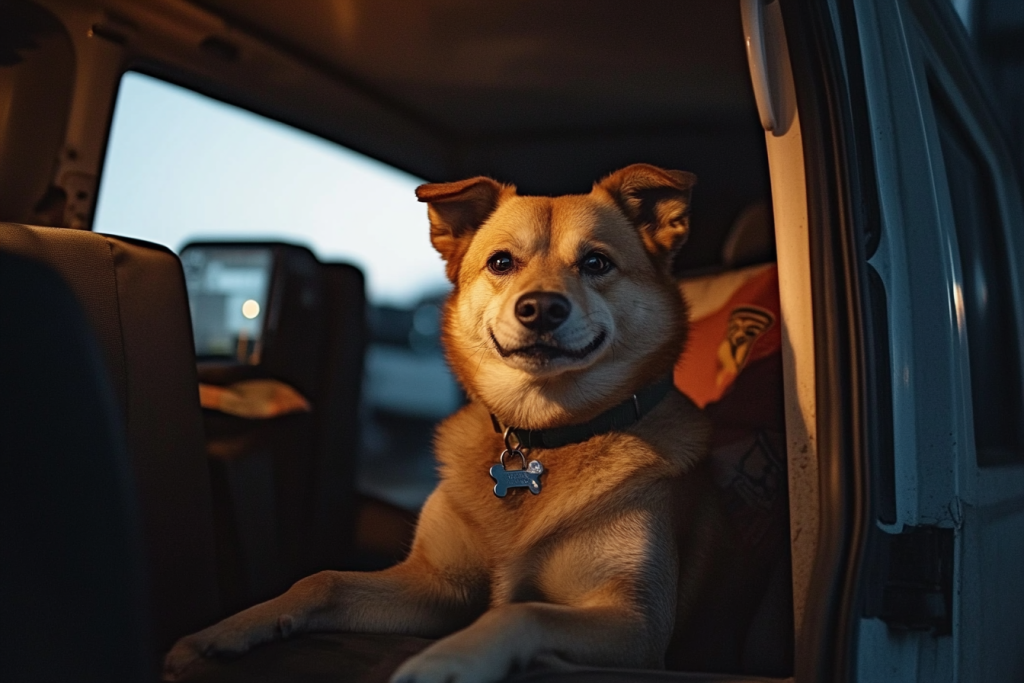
(582, 484)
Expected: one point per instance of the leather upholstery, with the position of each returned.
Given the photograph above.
(133, 294)
(72, 588)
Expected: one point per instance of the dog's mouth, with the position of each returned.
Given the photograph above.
(544, 353)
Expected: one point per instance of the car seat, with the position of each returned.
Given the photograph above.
(71, 579)
(284, 483)
(338, 432)
(732, 368)
(133, 296)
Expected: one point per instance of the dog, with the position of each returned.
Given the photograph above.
(563, 326)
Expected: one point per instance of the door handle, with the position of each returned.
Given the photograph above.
(768, 59)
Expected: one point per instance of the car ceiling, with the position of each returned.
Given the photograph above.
(521, 68)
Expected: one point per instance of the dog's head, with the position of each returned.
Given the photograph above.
(562, 306)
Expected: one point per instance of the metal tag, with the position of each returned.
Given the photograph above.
(528, 477)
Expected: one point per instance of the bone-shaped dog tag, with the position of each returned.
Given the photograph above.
(528, 477)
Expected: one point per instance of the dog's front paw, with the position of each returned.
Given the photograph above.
(229, 638)
(185, 653)
(443, 663)
(437, 668)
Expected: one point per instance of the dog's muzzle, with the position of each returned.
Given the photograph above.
(548, 352)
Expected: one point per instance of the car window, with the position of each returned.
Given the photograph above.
(182, 167)
(987, 294)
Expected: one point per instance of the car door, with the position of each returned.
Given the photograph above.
(949, 603)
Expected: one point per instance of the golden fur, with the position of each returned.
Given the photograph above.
(599, 566)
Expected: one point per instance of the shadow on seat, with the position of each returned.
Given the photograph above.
(71, 579)
(133, 297)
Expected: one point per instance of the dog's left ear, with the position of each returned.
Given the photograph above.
(657, 201)
(456, 210)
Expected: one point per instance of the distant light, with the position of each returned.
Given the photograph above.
(251, 309)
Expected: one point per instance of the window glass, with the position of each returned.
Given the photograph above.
(181, 167)
(987, 296)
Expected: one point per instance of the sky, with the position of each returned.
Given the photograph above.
(181, 166)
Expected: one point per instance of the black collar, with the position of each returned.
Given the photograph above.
(622, 416)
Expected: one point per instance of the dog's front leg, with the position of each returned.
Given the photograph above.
(509, 637)
(612, 601)
(440, 587)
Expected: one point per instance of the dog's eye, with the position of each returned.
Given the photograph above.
(596, 263)
(500, 263)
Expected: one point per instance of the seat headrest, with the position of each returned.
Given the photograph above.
(258, 309)
(751, 238)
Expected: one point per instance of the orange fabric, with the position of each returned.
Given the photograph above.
(724, 342)
(732, 368)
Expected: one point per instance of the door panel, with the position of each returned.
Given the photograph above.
(949, 260)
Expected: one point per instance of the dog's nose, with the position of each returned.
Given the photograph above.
(542, 311)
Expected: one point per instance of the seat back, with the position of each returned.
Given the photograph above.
(133, 295)
(337, 422)
(284, 485)
(72, 576)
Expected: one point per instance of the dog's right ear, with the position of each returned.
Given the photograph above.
(657, 201)
(456, 210)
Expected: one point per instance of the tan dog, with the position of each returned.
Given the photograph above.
(564, 321)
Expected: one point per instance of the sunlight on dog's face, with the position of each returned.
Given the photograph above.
(560, 304)
(548, 284)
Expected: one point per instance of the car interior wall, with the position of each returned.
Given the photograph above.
(785, 152)
(728, 158)
(821, 312)
(165, 38)
(37, 69)
(97, 72)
